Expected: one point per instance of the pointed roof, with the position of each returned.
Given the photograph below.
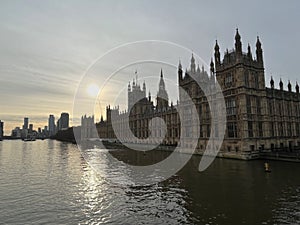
(217, 48)
(179, 65)
(237, 35)
(258, 44)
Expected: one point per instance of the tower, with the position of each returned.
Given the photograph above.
(242, 79)
(51, 125)
(26, 123)
(162, 99)
(64, 120)
(135, 93)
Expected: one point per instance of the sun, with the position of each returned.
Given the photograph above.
(93, 90)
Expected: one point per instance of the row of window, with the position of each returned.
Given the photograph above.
(229, 80)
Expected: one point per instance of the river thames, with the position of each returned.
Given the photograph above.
(49, 182)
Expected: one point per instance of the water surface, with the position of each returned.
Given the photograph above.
(48, 182)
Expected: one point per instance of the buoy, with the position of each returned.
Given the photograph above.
(267, 168)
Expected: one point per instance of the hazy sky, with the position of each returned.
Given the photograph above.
(45, 46)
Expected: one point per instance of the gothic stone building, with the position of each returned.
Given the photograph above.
(258, 117)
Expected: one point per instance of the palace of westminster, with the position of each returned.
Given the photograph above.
(258, 117)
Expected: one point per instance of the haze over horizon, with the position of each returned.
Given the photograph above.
(46, 46)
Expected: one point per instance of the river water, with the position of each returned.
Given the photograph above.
(49, 182)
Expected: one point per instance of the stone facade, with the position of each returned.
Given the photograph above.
(258, 117)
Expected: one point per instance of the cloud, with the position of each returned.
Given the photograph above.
(45, 46)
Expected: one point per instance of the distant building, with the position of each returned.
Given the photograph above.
(45, 132)
(30, 128)
(26, 123)
(51, 125)
(1, 129)
(88, 128)
(16, 133)
(64, 121)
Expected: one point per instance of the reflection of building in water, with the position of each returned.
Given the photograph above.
(258, 117)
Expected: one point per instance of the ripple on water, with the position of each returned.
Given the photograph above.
(49, 182)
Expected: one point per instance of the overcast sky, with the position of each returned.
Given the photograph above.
(46, 46)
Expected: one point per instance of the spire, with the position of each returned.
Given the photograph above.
(237, 35)
(272, 83)
(238, 43)
(162, 95)
(179, 65)
(217, 48)
(193, 65)
(297, 87)
(217, 54)
(212, 67)
(249, 54)
(198, 69)
(281, 84)
(179, 71)
(192, 59)
(258, 44)
(289, 86)
(144, 87)
(259, 52)
(161, 82)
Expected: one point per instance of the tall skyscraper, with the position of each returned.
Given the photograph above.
(1, 129)
(26, 122)
(64, 121)
(51, 125)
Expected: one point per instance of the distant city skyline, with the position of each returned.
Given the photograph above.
(45, 47)
(45, 130)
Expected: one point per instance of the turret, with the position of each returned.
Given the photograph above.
(198, 69)
(249, 54)
(289, 87)
(217, 54)
(129, 87)
(186, 74)
(281, 85)
(193, 65)
(179, 71)
(272, 83)
(297, 88)
(238, 43)
(212, 67)
(259, 52)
